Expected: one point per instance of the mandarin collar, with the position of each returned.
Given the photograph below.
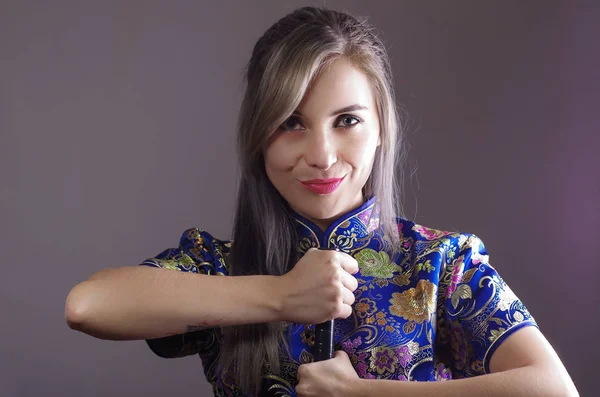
(349, 232)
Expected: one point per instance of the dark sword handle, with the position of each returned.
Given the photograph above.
(323, 348)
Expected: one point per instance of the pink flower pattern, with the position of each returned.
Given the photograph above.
(384, 361)
(403, 355)
(457, 275)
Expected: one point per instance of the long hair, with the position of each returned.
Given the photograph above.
(285, 60)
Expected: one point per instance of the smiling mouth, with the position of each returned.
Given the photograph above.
(322, 186)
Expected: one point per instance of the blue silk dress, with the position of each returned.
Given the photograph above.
(436, 311)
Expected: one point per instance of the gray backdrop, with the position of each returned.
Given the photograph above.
(117, 124)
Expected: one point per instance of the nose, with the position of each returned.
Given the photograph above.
(320, 150)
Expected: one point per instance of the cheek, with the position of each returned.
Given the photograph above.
(280, 154)
(360, 151)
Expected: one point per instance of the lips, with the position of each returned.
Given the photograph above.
(322, 186)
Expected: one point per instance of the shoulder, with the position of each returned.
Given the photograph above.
(425, 235)
(198, 252)
(209, 253)
(199, 241)
(440, 251)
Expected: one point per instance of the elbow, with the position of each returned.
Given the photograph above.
(570, 390)
(84, 298)
(75, 307)
(563, 382)
(557, 382)
(567, 390)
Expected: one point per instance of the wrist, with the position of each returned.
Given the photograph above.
(357, 388)
(275, 296)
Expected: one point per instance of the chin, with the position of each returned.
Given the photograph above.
(319, 207)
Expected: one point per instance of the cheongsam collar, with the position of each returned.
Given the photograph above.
(349, 232)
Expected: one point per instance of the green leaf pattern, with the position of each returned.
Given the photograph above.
(376, 264)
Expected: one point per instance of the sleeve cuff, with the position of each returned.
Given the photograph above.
(490, 351)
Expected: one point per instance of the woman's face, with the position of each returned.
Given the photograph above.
(333, 134)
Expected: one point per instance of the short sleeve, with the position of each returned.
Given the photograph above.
(479, 309)
(198, 252)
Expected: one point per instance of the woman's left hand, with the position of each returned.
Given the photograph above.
(327, 378)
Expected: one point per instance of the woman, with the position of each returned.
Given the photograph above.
(317, 237)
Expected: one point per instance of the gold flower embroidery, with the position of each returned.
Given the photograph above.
(416, 304)
(170, 264)
(401, 279)
(507, 297)
(383, 359)
(365, 307)
(495, 334)
(345, 242)
(413, 348)
(186, 260)
(308, 336)
(519, 318)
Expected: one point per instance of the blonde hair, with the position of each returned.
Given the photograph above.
(285, 60)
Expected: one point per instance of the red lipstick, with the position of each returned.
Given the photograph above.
(322, 186)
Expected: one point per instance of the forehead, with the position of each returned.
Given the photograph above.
(339, 84)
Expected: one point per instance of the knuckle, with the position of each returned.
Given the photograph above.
(337, 275)
(331, 262)
(334, 299)
(338, 295)
(333, 278)
(301, 370)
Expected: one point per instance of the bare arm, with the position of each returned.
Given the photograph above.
(523, 365)
(139, 302)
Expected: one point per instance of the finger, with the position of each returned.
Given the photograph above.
(348, 297)
(345, 312)
(348, 263)
(349, 281)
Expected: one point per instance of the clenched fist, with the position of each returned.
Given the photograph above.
(319, 288)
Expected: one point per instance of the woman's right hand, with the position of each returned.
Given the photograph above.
(319, 288)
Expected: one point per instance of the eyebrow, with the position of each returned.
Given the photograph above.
(351, 108)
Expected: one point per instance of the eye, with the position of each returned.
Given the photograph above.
(348, 121)
(291, 124)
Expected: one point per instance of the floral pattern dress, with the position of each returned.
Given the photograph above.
(436, 311)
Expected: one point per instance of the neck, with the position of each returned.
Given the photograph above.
(323, 224)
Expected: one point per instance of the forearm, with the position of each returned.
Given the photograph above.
(140, 302)
(526, 381)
